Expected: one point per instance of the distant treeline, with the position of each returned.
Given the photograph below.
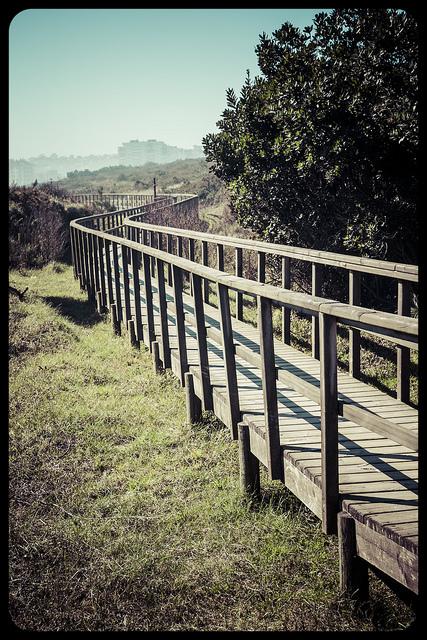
(181, 176)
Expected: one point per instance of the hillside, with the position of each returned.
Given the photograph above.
(181, 176)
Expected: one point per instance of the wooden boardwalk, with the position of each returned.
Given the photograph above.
(279, 397)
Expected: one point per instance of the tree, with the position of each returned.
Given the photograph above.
(320, 149)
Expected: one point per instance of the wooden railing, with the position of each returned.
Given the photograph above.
(92, 242)
(354, 266)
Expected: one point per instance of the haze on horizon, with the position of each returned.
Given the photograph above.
(82, 81)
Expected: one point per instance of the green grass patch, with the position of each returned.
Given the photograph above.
(124, 517)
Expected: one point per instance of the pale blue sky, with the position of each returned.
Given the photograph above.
(84, 80)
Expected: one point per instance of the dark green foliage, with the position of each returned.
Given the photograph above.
(320, 150)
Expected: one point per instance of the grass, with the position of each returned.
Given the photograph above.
(124, 517)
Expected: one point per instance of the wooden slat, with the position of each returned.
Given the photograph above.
(329, 421)
(151, 337)
(354, 279)
(403, 353)
(229, 359)
(163, 314)
(268, 371)
(202, 349)
(180, 323)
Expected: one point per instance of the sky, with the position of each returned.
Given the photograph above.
(82, 81)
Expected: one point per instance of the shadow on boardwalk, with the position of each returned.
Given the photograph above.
(80, 312)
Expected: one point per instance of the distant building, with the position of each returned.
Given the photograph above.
(21, 172)
(136, 152)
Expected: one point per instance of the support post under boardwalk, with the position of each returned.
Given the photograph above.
(354, 298)
(202, 345)
(354, 577)
(194, 407)
(132, 334)
(403, 353)
(229, 358)
(316, 290)
(248, 463)
(180, 323)
(155, 354)
(269, 390)
(329, 421)
(115, 322)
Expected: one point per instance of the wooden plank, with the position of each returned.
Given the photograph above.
(329, 421)
(385, 554)
(268, 374)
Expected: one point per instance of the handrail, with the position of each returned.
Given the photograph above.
(104, 281)
(395, 328)
(356, 263)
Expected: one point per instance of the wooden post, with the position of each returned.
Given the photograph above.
(180, 323)
(154, 188)
(286, 312)
(169, 250)
(248, 464)
(91, 288)
(125, 267)
(205, 261)
(99, 305)
(137, 293)
(239, 273)
(202, 342)
(403, 353)
(110, 300)
(156, 356)
(261, 267)
(354, 298)
(269, 390)
(102, 271)
(164, 330)
(115, 322)
(220, 256)
(132, 335)
(316, 290)
(354, 577)
(229, 358)
(329, 421)
(194, 407)
(148, 300)
(117, 287)
(73, 252)
(191, 256)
